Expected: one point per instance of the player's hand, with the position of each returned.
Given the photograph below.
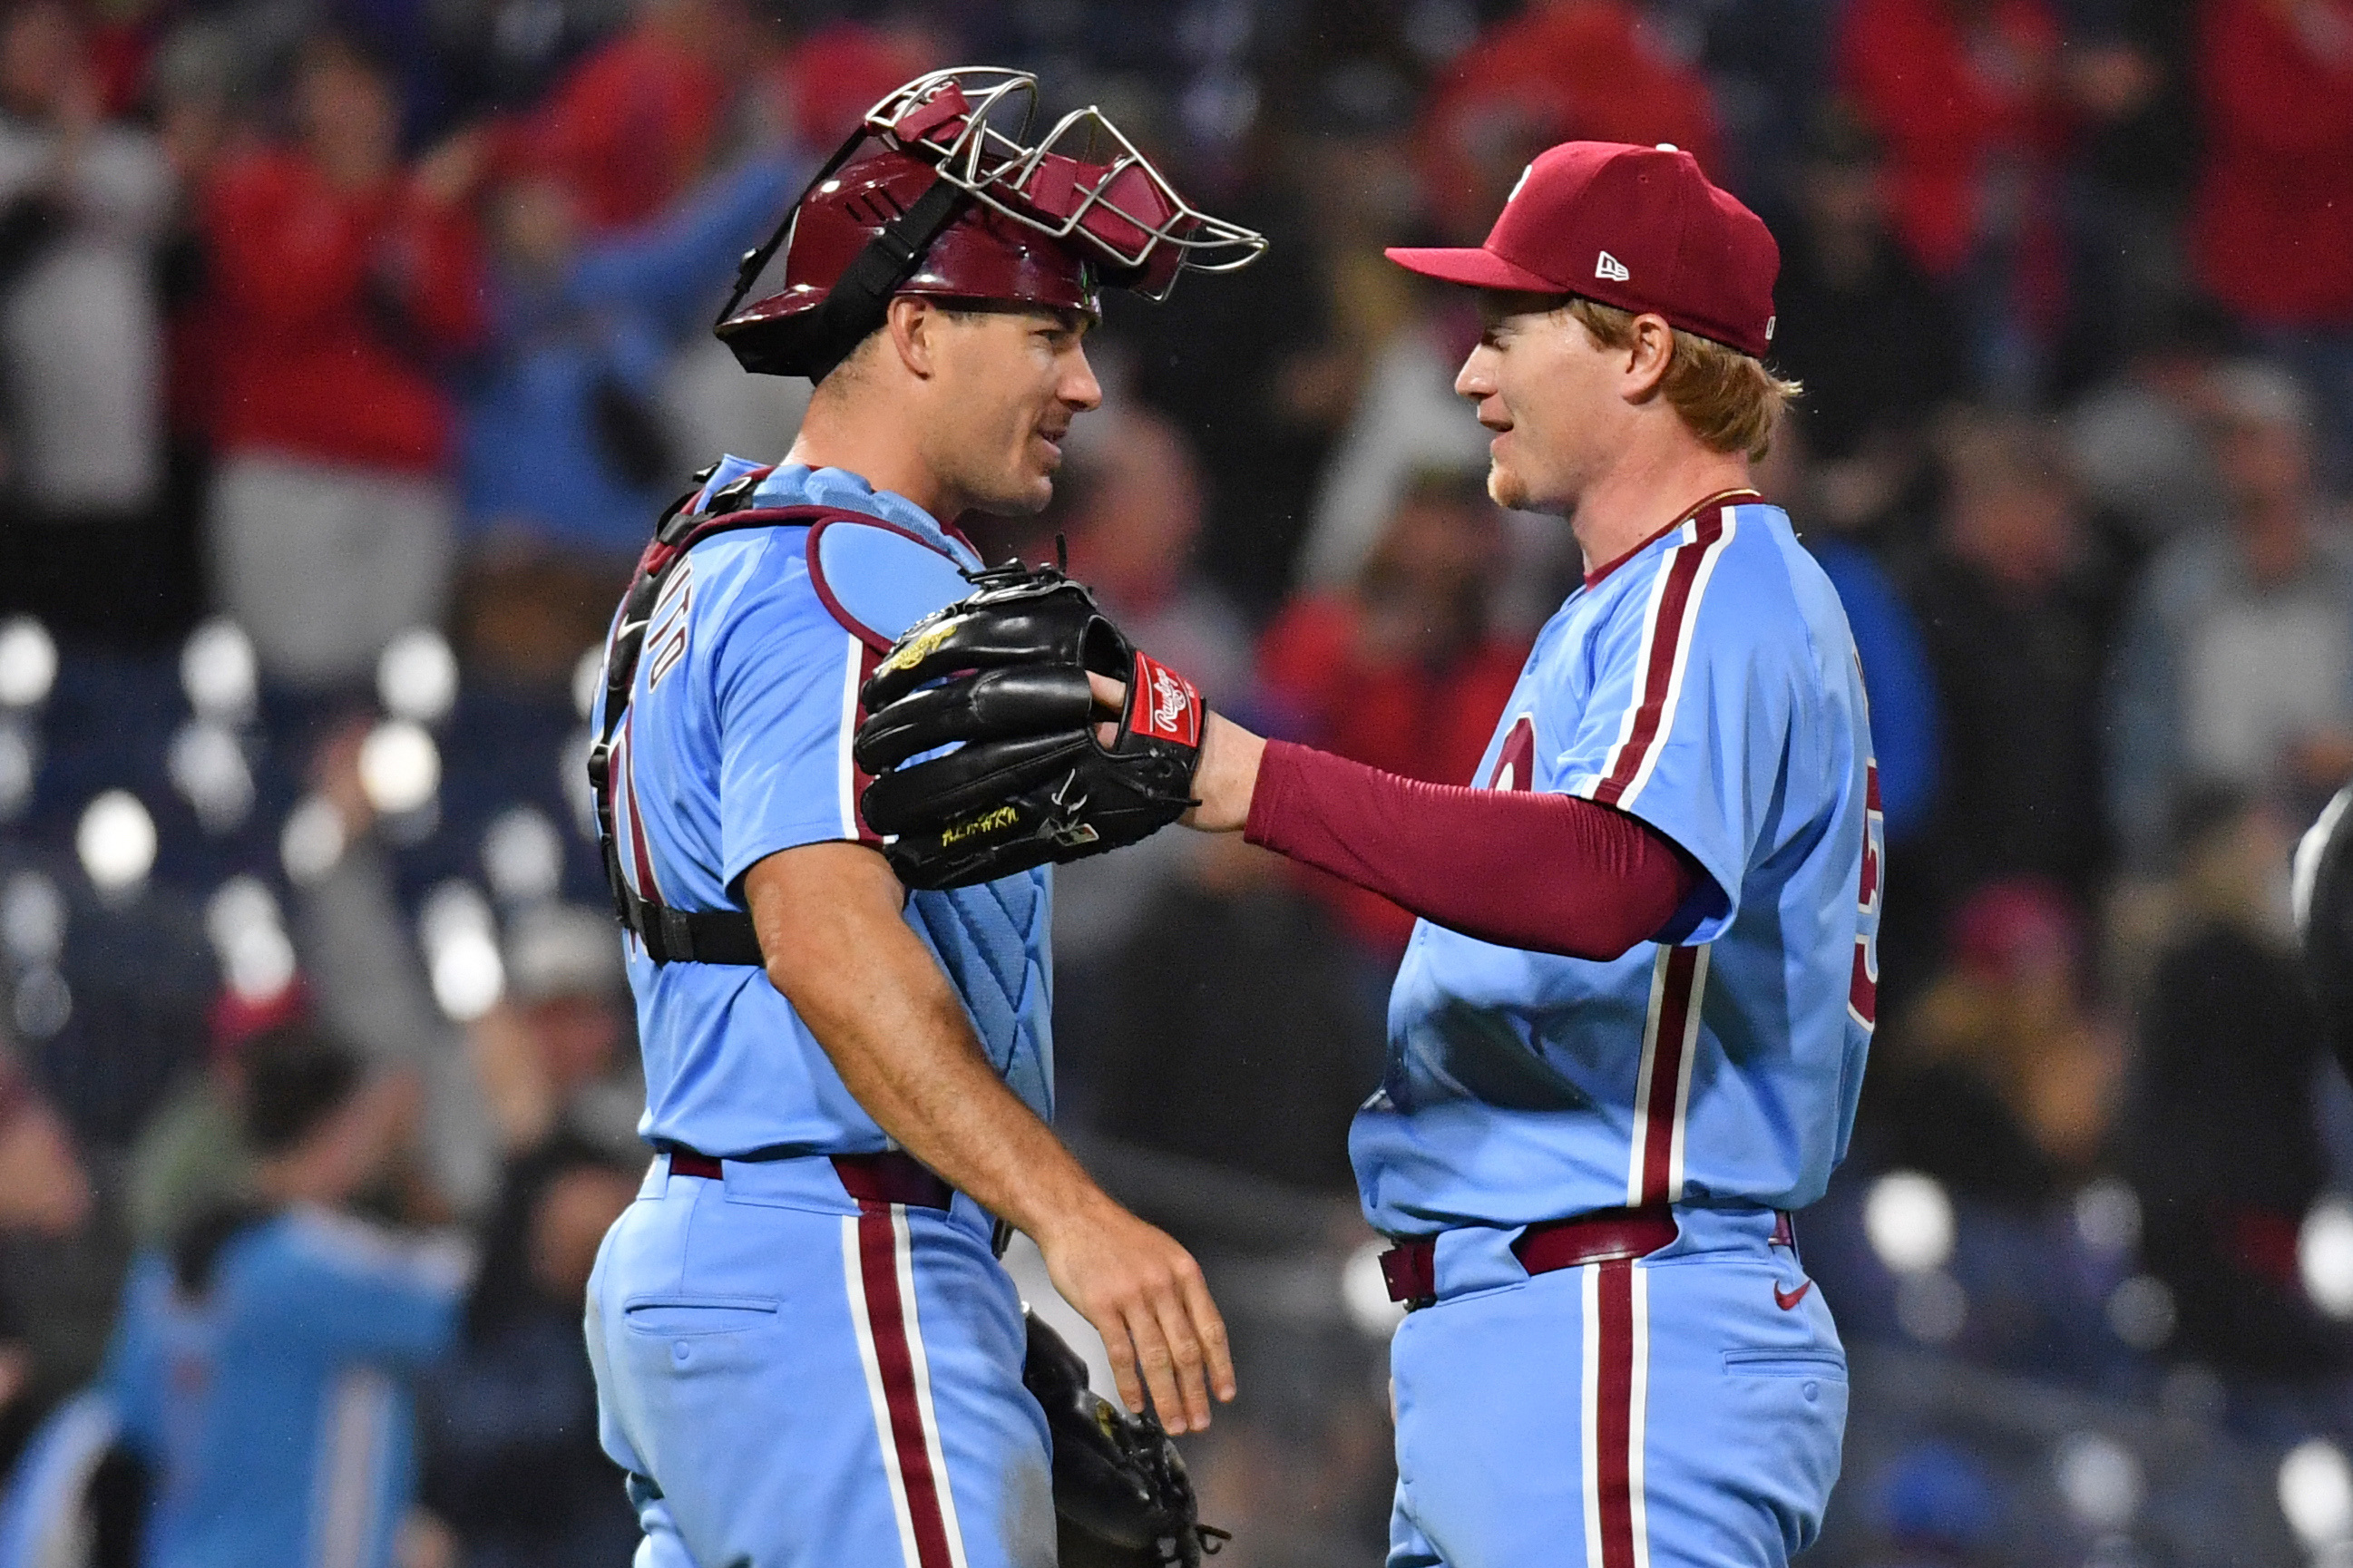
(1145, 1295)
(1224, 776)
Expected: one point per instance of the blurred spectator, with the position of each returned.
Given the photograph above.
(1406, 420)
(261, 1364)
(43, 1188)
(1130, 499)
(2130, 72)
(845, 67)
(1935, 1507)
(564, 444)
(1905, 715)
(1246, 370)
(1233, 978)
(2221, 1141)
(1404, 671)
(83, 205)
(2013, 620)
(1593, 70)
(1966, 94)
(569, 452)
(540, 1056)
(341, 281)
(45, 1194)
(367, 976)
(1875, 342)
(191, 1156)
(634, 123)
(512, 1460)
(2139, 438)
(1132, 503)
(2003, 1082)
(2272, 235)
(2237, 660)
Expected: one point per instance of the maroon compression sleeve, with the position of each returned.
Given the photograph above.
(1551, 873)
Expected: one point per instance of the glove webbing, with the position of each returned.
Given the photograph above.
(674, 935)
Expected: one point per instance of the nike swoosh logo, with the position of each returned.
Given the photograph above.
(1791, 1300)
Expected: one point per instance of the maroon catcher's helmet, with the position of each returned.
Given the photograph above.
(930, 196)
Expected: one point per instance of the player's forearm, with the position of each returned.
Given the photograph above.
(906, 1051)
(828, 918)
(1550, 873)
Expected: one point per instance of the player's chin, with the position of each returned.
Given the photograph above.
(1023, 494)
(1505, 488)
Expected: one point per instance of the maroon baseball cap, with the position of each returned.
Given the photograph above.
(1638, 228)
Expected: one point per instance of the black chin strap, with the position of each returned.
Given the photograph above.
(813, 343)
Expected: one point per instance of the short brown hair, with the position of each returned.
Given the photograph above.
(1730, 401)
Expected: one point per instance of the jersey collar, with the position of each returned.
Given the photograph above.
(797, 484)
(1593, 578)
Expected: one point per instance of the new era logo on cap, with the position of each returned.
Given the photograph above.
(1661, 239)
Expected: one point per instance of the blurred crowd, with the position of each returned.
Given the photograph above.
(348, 349)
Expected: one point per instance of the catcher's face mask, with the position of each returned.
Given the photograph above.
(941, 191)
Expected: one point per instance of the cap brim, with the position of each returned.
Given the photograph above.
(1479, 268)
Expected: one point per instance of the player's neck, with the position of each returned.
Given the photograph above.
(844, 433)
(1646, 490)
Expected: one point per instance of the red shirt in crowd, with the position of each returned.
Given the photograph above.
(1425, 723)
(630, 129)
(2272, 233)
(1955, 103)
(331, 310)
(1570, 69)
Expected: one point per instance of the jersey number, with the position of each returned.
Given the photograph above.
(1862, 993)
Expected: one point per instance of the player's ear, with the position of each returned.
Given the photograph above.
(913, 325)
(1653, 348)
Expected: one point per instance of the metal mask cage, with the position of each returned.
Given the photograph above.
(1083, 180)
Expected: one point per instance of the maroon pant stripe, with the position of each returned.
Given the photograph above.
(878, 1262)
(1666, 1074)
(1613, 1423)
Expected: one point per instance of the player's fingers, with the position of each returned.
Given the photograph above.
(1158, 1365)
(1111, 696)
(1186, 1352)
(1210, 1325)
(1121, 1349)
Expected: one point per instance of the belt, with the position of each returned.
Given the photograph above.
(1604, 1236)
(887, 1178)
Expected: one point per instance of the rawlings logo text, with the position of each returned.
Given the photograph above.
(1166, 707)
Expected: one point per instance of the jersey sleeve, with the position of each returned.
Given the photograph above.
(133, 1372)
(786, 682)
(364, 1293)
(1687, 719)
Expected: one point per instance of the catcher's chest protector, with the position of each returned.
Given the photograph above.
(874, 579)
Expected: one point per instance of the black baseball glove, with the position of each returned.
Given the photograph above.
(1121, 1499)
(1001, 675)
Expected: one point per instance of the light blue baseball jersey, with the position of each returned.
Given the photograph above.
(1707, 684)
(274, 1407)
(736, 745)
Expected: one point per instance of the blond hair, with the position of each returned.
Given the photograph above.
(1727, 399)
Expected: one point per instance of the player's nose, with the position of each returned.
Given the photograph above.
(1476, 379)
(1079, 387)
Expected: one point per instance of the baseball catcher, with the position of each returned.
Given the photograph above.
(807, 1351)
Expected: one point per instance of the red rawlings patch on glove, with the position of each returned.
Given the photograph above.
(1163, 704)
